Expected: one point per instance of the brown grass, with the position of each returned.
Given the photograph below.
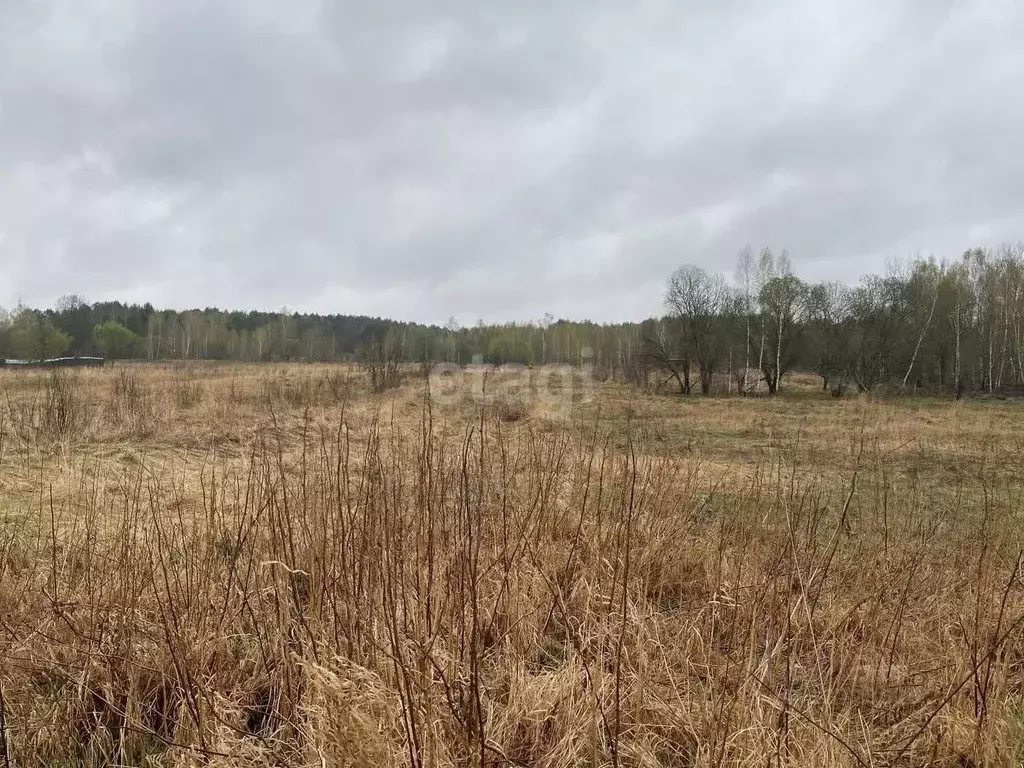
(273, 565)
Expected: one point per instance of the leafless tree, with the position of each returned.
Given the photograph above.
(69, 302)
(765, 273)
(829, 325)
(781, 300)
(665, 351)
(933, 277)
(745, 272)
(381, 356)
(697, 299)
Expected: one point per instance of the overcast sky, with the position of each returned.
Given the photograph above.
(493, 160)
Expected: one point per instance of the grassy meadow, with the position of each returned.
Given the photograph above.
(256, 565)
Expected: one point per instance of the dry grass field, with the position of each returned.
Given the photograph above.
(270, 565)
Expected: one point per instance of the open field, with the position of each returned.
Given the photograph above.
(270, 565)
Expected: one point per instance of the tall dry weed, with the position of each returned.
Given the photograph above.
(131, 405)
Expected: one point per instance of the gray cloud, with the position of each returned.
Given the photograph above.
(493, 160)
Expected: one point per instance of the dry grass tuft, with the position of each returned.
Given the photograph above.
(63, 413)
(188, 391)
(511, 409)
(131, 405)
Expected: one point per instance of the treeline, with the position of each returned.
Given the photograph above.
(924, 324)
(131, 331)
(953, 327)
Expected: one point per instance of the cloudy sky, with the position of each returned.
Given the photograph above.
(493, 160)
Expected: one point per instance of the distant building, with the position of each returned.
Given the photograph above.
(55, 362)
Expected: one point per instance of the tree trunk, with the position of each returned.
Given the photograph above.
(778, 356)
(924, 331)
(746, 346)
(990, 358)
(1002, 349)
(706, 375)
(956, 351)
(760, 354)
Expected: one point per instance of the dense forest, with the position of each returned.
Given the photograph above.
(955, 327)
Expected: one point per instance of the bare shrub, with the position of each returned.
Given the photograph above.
(300, 392)
(510, 408)
(131, 404)
(601, 373)
(637, 370)
(271, 390)
(236, 392)
(381, 358)
(339, 385)
(63, 411)
(188, 391)
(22, 416)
